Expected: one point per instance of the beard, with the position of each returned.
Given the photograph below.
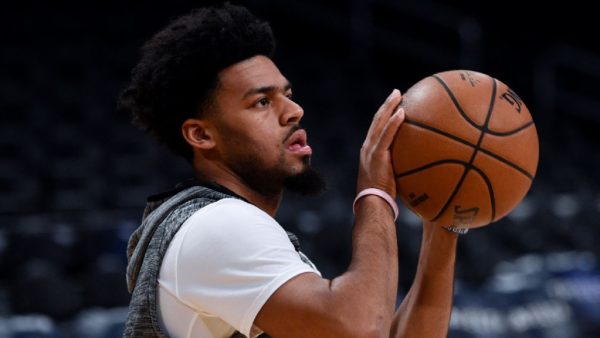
(271, 181)
(307, 183)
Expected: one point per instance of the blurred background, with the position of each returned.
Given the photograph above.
(74, 174)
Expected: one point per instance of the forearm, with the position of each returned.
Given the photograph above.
(360, 302)
(425, 311)
(368, 289)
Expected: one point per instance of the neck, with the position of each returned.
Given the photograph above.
(269, 203)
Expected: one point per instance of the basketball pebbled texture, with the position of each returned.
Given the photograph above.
(467, 152)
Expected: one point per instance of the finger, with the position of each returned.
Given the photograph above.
(387, 108)
(382, 115)
(390, 129)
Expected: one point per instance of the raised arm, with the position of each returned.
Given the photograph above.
(360, 302)
(425, 311)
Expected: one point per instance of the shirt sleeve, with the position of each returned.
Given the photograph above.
(230, 258)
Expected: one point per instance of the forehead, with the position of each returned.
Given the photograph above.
(258, 71)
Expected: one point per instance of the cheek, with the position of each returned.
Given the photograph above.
(258, 135)
(265, 134)
(258, 142)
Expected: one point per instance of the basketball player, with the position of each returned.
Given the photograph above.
(209, 260)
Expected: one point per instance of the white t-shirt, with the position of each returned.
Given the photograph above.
(221, 267)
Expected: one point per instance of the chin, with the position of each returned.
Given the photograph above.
(305, 162)
(306, 182)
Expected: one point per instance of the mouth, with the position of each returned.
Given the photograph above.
(297, 143)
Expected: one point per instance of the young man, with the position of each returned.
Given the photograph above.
(209, 260)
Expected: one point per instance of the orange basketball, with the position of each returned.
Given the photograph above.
(467, 152)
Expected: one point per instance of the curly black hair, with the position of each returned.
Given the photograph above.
(178, 69)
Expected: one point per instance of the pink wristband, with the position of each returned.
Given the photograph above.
(380, 193)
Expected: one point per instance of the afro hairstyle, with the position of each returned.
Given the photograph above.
(178, 70)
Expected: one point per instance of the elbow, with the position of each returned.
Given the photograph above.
(355, 318)
(370, 332)
(368, 328)
(376, 330)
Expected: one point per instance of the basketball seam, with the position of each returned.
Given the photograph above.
(441, 132)
(512, 132)
(490, 189)
(507, 162)
(454, 192)
(430, 165)
(460, 140)
(464, 164)
(470, 164)
(455, 102)
(466, 117)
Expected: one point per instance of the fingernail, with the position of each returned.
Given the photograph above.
(394, 93)
(400, 111)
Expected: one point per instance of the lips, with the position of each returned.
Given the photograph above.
(297, 143)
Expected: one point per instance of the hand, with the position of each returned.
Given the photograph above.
(375, 169)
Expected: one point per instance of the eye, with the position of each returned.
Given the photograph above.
(262, 102)
(289, 95)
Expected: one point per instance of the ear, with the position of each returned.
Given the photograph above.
(198, 133)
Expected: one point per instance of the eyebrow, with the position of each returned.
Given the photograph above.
(266, 89)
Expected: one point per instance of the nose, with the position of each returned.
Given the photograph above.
(292, 113)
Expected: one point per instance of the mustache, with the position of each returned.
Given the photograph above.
(294, 128)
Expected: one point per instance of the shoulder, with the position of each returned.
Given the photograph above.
(231, 221)
(232, 207)
(231, 212)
